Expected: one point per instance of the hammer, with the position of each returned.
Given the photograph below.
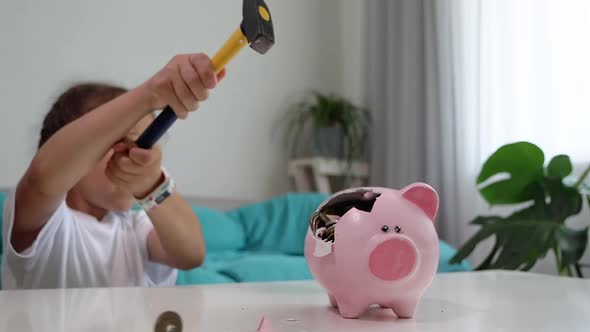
(256, 30)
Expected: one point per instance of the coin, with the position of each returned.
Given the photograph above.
(169, 321)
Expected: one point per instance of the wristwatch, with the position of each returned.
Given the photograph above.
(160, 194)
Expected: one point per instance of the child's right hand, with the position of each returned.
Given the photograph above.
(183, 83)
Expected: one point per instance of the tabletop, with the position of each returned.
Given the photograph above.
(470, 301)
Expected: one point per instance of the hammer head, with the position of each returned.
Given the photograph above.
(257, 25)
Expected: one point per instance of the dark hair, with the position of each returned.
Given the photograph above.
(75, 102)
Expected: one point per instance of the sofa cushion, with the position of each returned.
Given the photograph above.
(202, 276)
(220, 231)
(278, 225)
(257, 267)
(446, 253)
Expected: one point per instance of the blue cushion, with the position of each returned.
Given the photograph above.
(278, 225)
(208, 272)
(233, 266)
(257, 267)
(446, 253)
(202, 276)
(219, 230)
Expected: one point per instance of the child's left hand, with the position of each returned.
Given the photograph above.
(135, 170)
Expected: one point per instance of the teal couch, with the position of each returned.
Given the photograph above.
(263, 242)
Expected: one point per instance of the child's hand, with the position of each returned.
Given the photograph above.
(135, 170)
(183, 83)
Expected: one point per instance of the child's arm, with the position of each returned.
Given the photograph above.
(78, 147)
(176, 239)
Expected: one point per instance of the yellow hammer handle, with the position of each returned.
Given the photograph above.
(232, 46)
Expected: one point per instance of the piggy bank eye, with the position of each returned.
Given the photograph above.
(398, 229)
(385, 229)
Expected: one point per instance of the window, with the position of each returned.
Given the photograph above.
(534, 68)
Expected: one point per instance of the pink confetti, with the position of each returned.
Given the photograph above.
(265, 326)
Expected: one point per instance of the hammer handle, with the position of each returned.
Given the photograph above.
(157, 129)
(166, 119)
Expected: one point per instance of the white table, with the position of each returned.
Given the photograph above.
(487, 301)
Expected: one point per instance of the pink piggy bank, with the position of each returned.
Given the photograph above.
(375, 246)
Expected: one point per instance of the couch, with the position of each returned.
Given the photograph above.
(263, 241)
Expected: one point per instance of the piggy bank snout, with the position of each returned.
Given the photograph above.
(393, 259)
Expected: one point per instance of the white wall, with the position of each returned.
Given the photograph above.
(353, 49)
(47, 45)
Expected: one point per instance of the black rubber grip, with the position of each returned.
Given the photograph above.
(157, 129)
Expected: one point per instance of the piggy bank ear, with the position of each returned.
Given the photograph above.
(424, 197)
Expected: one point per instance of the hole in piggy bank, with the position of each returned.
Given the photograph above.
(323, 222)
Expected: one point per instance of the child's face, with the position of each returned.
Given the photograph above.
(99, 191)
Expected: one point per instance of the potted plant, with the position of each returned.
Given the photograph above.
(547, 196)
(329, 126)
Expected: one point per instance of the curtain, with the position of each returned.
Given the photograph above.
(418, 90)
(450, 81)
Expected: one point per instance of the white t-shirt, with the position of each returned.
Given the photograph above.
(74, 250)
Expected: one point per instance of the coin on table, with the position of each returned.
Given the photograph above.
(169, 321)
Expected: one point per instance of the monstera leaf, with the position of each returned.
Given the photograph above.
(516, 174)
(516, 166)
(559, 167)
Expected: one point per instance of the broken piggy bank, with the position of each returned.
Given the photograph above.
(375, 246)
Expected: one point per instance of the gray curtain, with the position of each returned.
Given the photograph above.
(413, 95)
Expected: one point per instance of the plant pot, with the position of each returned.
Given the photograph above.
(328, 142)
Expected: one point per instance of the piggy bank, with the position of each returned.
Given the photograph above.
(375, 246)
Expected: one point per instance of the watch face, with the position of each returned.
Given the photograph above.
(162, 197)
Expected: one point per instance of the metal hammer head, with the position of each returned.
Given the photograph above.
(257, 26)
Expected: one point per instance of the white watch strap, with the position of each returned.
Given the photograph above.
(159, 195)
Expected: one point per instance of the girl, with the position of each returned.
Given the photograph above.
(69, 222)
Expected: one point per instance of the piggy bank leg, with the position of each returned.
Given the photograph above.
(405, 308)
(351, 309)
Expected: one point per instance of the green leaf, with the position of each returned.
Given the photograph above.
(572, 244)
(485, 220)
(559, 167)
(470, 245)
(514, 174)
(488, 261)
(536, 211)
(490, 226)
(556, 202)
(564, 201)
(522, 163)
(519, 243)
(524, 242)
(578, 270)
